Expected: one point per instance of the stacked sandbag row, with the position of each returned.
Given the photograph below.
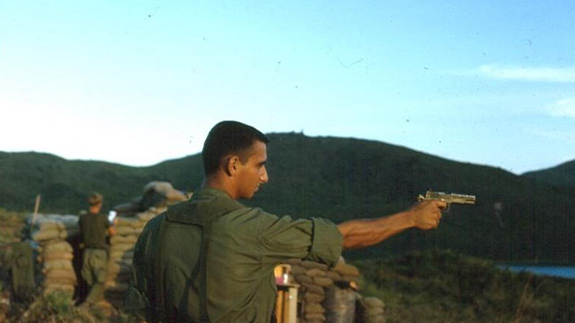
(56, 254)
(54, 227)
(11, 225)
(313, 279)
(121, 252)
(329, 294)
(370, 310)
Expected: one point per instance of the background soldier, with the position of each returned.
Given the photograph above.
(94, 227)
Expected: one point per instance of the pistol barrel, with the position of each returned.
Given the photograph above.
(450, 197)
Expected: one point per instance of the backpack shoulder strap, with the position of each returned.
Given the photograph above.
(197, 214)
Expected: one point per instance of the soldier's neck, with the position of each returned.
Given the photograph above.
(221, 183)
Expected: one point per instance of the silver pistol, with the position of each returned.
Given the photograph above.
(448, 198)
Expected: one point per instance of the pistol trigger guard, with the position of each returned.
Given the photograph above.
(446, 210)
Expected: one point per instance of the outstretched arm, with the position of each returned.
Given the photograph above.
(367, 232)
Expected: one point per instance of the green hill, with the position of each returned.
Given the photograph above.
(443, 286)
(562, 175)
(341, 179)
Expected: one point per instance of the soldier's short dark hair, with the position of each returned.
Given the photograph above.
(95, 199)
(229, 138)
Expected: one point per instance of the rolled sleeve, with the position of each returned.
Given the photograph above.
(314, 239)
(327, 242)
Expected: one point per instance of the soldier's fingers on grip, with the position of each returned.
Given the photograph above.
(441, 205)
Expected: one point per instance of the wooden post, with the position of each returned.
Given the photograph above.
(36, 208)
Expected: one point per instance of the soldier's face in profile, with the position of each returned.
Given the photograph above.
(253, 173)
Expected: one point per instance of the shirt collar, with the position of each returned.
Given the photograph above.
(208, 192)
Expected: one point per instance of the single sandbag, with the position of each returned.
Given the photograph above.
(57, 264)
(333, 275)
(312, 264)
(59, 255)
(346, 270)
(46, 235)
(46, 225)
(322, 281)
(57, 246)
(60, 273)
(314, 272)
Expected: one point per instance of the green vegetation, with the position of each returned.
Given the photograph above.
(517, 218)
(53, 307)
(58, 307)
(443, 286)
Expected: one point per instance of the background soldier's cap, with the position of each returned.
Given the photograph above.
(95, 199)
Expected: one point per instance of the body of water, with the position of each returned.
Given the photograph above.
(556, 271)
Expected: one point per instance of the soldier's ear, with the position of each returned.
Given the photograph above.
(231, 165)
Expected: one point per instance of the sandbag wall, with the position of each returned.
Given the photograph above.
(128, 228)
(55, 253)
(329, 294)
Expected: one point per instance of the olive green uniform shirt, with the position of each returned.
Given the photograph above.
(94, 228)
(217, 257)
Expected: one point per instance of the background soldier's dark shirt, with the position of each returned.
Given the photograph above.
(93, 228)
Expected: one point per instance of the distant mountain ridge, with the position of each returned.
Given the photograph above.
(516, 217)
(562, 175)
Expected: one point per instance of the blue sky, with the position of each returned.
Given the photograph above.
(139, 82)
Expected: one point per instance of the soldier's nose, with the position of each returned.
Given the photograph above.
(264, 178)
